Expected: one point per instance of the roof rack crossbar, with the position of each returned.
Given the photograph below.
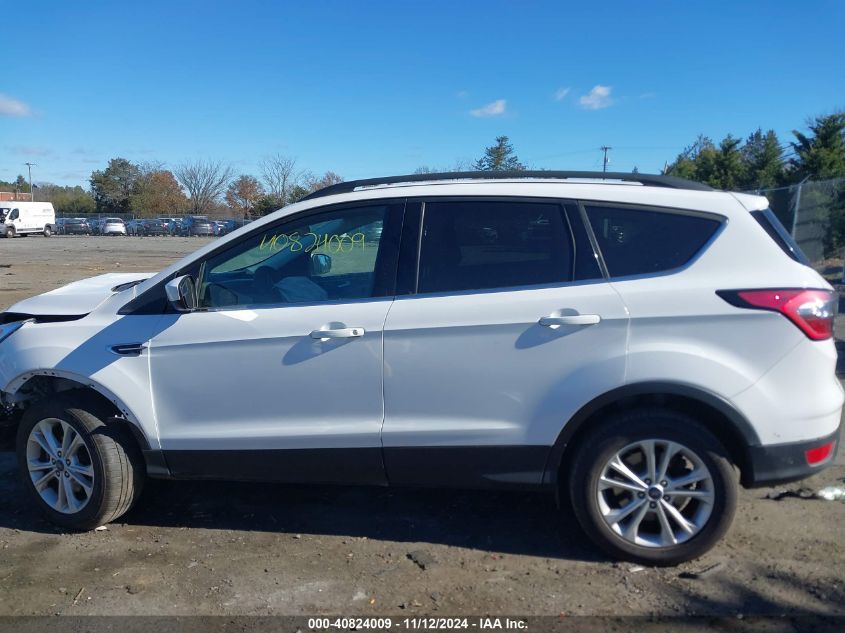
(651, 180)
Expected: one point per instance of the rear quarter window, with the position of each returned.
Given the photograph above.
(642, 241)
(780, 236)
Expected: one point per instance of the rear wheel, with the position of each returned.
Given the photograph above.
(653, 486)
(47, 231)
(81, 471)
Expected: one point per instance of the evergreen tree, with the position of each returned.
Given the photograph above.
(722, 167)
(763, 159)
(686, 163)
(821, 155)
(499, 157)
(113, 186)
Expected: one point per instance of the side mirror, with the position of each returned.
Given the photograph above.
(320, 264)
(182, 294)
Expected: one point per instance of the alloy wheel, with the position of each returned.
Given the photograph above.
(60, 466)
(655, 493)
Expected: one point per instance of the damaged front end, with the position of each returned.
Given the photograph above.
(8, 410)
(9, 413)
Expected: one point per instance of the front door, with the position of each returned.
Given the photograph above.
(279, 374)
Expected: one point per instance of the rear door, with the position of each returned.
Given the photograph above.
(507, 327)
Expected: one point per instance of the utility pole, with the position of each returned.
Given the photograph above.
(605, 149)
(31, 192)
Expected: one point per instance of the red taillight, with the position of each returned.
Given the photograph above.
(819, 454)
(811, 310)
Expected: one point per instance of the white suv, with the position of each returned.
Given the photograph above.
(634, 343)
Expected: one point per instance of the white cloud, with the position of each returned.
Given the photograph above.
(597, 98)
(560, 94)
(13, 107)
(30, 150)
(497, 108)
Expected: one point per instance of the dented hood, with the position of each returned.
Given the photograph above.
(77, 298)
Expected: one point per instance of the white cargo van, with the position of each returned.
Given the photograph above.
(26, 218)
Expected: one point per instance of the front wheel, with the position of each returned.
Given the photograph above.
(653, 486)
(81, 471)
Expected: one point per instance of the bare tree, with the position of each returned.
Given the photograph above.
(460, 164)
(204, 181)
(280, 176)
(329, 178)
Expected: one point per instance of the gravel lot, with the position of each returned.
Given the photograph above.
(212, 548)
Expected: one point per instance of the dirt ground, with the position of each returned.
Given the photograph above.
(223, 548)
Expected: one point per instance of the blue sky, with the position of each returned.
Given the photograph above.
(368, 89)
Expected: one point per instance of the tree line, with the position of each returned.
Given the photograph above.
(762, 161)
(206, 187)
(201, 187)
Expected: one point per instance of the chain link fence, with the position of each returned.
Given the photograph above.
(814, 212)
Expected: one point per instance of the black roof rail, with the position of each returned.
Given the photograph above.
(651, 180)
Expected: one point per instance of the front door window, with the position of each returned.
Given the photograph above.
(330, 256)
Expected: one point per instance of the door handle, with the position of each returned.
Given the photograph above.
(346, 332)
(570, 319)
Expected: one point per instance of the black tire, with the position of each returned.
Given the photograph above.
(10, 231)
(629, 427)
(117, 462)
(47, 231)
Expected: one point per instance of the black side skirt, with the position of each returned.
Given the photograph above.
(360, 466)
(429, 466)
(466, 466)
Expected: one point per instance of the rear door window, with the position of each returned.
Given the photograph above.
(643, 241)
(477, 245)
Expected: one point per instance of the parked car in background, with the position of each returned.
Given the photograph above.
(175, 227)
(132, 227)
(233, 225)
(26, 218)
(112, 226)
(194, 225)
(73, 226)
(169, 224)
(152, 227)
(220, 227)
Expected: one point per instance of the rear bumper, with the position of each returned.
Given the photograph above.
(780, 463)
